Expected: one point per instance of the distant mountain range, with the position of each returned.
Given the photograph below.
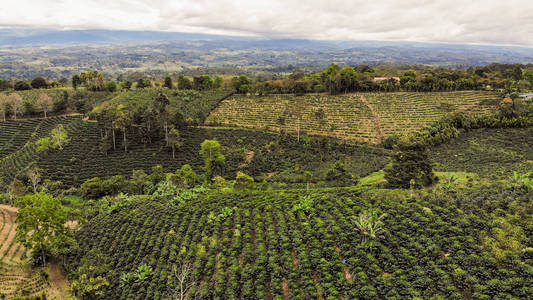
(27, 36)
(60, 53)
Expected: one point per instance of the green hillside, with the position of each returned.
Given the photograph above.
(365, 117)
(266, 156)
(491, 153)
(260, 247)
(192, 104)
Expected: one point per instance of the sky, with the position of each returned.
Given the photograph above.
(501, 22)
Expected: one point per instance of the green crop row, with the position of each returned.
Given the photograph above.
(348, 116)
(265, 248)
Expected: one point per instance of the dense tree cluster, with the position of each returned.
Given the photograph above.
(145, 124)
(336, 79)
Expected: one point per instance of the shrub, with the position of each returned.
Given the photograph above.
(21, 86)
(243, 181)
(340, 175)
(410, 166)
(39, 83)
(186, 177)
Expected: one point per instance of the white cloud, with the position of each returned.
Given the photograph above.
(475, 21)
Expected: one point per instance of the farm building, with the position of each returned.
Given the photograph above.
(528, 96)
(378, 79)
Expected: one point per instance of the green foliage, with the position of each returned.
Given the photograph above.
(90, 277)
(39, 83)
(305, 204)
(43, 144)
(433, 247)
(411, 166)
(59, 137)
(184, 83)
(186, 177)
(96, 187)
(168, 82)
(214, 160)
(490, 153)
(111, 86)
(41, 219)
(340, 176)
(243, 181)
(241, 84)
(504, 237)
(21, 86)
(144, 272)
(370, 225)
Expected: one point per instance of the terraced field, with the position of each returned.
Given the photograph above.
(404, 112)
(18, 141)
(15, 134)
(17, 278)
(82, 159)
(366, 117)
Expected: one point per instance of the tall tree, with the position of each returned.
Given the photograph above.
(34, 175)
(411, 166)
(174, 140)
(123, 122)
(41, 218)
(168, 82)
(161, 106)
(16, 104)
(4, 104)
(76, 81)
(214, 159)
(45, 103)
(16, 189)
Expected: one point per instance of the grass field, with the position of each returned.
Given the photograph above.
(365, 117)
(17, 278)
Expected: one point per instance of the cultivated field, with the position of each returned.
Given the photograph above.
(490, 153)
(259, 246)
(17, 279)
(254, 152)
(364, 117)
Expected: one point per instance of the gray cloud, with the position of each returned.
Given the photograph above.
(475, 21)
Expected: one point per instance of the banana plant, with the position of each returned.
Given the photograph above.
(370, 225)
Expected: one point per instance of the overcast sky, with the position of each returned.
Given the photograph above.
(464, 21)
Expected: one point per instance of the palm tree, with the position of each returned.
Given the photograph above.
(370, 225)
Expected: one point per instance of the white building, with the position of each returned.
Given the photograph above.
(527, 96)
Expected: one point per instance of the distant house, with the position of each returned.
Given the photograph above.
(378, 79)
(527, 96)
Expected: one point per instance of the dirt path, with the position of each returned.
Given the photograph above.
(8, 234)
(376, 118)
(285, 287)
(59, 285)
(347, 273)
